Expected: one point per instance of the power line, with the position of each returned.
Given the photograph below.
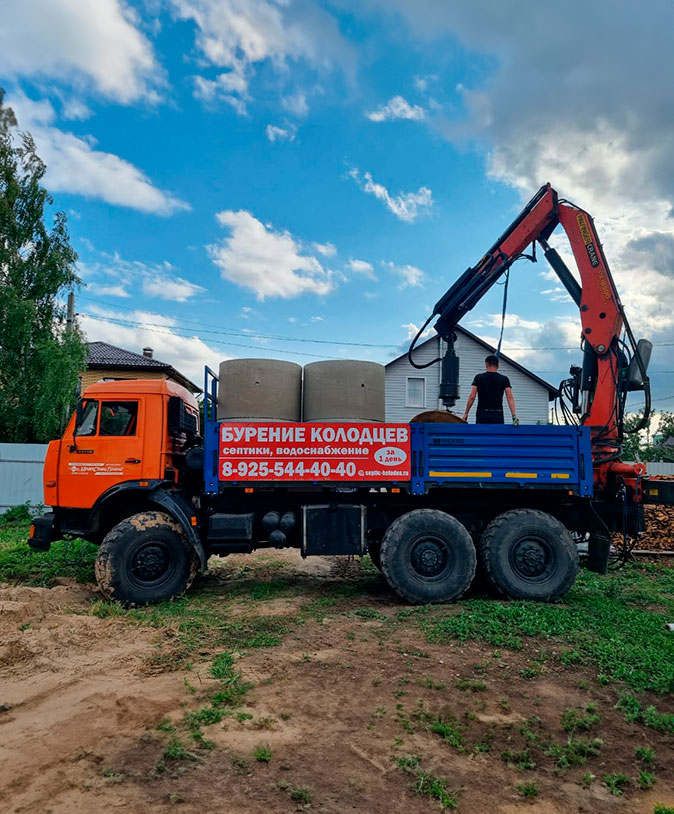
(223, 332)
(172, 332)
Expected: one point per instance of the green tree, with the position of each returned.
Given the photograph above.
(633, 444)
(39, 358)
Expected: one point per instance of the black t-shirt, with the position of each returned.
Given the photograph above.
(490, 389)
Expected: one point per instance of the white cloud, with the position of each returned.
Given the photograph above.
(275, 133)
(230, 87)
(406, 206)
(241, 35)
(326, 249)
(600, 128)
(362, 267)
(111, 275)
(268, 262)
(410, 276)
(75, 166)
(187, 354)
(317, 319)
(75, 110)
(108, 290)
(397, 108)
(413, 330)
(175, 289)
(296, 104)
(94, 45)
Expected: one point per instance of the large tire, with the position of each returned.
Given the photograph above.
(145, 559)
(528, 554)
(427, 556)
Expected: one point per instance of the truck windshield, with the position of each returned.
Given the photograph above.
(89, 416)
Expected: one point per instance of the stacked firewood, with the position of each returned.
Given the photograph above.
(659, 534)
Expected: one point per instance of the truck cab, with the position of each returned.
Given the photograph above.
(125, 439)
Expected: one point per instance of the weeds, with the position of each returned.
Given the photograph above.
(645, 754)
(572, 719)
(575, 752)
(301, 795)
(262, 754)
(529, 790)
(426, 784)
(521, 760)
(647, 780)
(616, 783)
(650, 717)
(471, 684)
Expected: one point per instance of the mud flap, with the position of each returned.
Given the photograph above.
(181, 511)
(598, 550)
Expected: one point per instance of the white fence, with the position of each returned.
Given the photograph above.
(659, 468)
(21, 474)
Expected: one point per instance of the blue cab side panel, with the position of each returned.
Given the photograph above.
(486, 455)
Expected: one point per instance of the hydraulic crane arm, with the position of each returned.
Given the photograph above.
(605, 375)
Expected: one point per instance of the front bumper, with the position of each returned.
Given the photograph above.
(42, 532)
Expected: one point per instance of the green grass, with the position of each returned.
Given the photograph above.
(426, 784)
(616, 783)
(262, 754)
(660, 808)
(634, 712)
(529, 790)
(572, 719)
(521, 760)
(575, 752)
(613, 622)
(72, 559)
(645, 754)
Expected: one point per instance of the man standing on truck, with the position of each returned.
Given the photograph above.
(489, 388)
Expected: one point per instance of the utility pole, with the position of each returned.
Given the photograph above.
(70, 313)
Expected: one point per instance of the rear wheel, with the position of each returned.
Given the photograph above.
(428, 556)
(528, 554)
(145, 559)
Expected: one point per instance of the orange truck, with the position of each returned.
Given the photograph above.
(136, 474)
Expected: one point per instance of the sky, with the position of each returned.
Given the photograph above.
(304, 180)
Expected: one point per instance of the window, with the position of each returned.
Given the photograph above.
(416, 392)
(89, 415)
(118, 417)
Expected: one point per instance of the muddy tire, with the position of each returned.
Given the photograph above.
(145, 559)
(428, 556)
(528, 554)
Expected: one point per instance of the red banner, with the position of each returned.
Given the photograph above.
(314, 452)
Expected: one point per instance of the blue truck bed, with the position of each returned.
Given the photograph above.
(488, 455)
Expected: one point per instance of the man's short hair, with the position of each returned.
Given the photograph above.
(491, 360)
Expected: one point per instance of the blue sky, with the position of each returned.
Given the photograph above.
(238, 175)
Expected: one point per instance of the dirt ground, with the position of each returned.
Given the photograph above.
(336, 702)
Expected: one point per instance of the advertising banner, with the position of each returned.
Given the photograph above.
(341, 451)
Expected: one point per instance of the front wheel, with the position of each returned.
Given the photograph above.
(528, 554)
(145, 559)
(428, 556)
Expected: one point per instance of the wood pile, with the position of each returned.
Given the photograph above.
(659, 534)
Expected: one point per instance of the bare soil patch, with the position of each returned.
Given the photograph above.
(346, 695)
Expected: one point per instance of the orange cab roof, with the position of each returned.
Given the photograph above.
(139, 387)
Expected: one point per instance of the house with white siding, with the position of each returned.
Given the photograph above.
(410, 391)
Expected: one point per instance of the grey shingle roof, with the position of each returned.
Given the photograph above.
(110, 357)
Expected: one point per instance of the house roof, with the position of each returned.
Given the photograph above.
(109, 357)
(552, 390)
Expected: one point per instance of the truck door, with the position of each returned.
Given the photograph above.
(104, 448)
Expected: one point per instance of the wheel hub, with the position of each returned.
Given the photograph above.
(531, 559)
(429, 558)
(150, 563)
